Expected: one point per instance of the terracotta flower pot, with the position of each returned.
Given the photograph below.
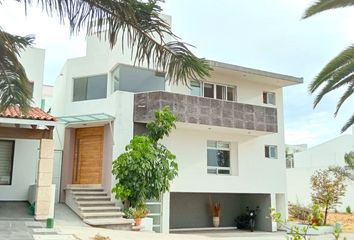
(216, 221)
(137, 221)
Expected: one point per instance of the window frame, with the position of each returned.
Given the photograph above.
(118, 66)
(217, 168)
(89, 76)
(12, 161)
(269, 151)
(202, 92)
(265, 97)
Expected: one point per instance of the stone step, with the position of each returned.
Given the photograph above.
(93, 198)
(80, 189)
(108, 221)
(99, 208)
(95, 193)
(100, 215)
(95, 203)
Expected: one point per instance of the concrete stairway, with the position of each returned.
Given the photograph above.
(95, 208)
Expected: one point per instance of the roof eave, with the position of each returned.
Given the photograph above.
(291, 79)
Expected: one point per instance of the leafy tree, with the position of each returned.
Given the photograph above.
(328, 188)
(146, 168)
(141, 28)
(339, 72)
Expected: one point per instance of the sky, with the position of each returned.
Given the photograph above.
(268, 35)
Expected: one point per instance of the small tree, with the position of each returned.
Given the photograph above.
(328, 188)
(146, 168)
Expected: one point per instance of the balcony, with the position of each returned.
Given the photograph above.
(206, 111)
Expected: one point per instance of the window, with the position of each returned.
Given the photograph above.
(133, 79)
(231, 93)
(218, 154)
(43, 104)
(208, 90)
(196, 89)
(211, 90)
(88, 88)
(6, 159)
(271, 151)
(269, 98)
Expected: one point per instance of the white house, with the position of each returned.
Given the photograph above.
(26, 144)
(318, 157)
(102, 101)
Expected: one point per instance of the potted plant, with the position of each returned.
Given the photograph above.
(215, 209)
(139, 213)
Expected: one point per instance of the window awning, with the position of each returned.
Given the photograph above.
(87, 118)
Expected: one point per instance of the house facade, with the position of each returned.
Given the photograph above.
(26, 145)
(306, 162)
(229, 139)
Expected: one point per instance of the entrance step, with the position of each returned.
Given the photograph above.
(95, 203)
(94, 207)
(112, 223)
(100, 209)
(93, 198)
(91, 193)
(102, 214)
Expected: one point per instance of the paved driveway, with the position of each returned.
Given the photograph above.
(29, 230)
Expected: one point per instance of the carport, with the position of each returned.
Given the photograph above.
(24, 137)
(189, 211)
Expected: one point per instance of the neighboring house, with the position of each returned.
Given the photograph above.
(26, 144)
(290, 150)
(47, 98)
(229, 140)
(314, 158)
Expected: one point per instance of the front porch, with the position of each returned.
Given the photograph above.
(27, 152)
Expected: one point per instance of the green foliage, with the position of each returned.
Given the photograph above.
(14, 84)
(324, 5)
(136, 212)
(317, 217)
(339, 71)
(145, 169)
(137, 24)
(348, 210)
(328, 187)
(162, 125)
(337, 231)
(295, 232)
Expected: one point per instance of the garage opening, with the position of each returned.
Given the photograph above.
(191, 210)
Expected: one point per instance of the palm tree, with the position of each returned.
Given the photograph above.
(339, 72)
(143, 30)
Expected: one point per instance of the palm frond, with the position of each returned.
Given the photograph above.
(141, 28)
(14, 85)
(337, 67)
(324, 5)
(345, 96)
(349, 123)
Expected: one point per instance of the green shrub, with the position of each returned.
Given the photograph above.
(316, 215)
(348, 210)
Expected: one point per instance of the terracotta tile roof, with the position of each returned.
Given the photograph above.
(33, 113)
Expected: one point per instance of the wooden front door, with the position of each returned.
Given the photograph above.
(88, 155)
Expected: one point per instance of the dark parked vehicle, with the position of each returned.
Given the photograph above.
(247, 220)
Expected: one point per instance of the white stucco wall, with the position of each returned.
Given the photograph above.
(247, 161)
(318, 157)
(24, 171)
(188, 141)
(32, 60)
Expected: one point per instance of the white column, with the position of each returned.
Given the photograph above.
(165, 214)
(273, 205)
